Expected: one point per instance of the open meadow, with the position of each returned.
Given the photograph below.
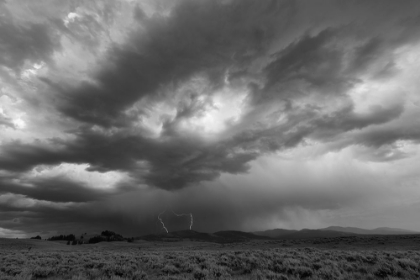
(370, 257)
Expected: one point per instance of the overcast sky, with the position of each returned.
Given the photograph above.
(248, 114)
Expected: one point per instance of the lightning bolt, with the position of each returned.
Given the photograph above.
(160, 219)
(176, 214)
(189, 214)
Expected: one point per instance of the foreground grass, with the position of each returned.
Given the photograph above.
(296, 263)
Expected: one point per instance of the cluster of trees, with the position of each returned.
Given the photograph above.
(107, 236)
(36, 237)
(75, 242)
(69, 237)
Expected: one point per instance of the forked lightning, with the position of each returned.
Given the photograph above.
(182, 214)
(160, 219)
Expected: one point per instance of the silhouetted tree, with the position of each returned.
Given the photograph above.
(70, 237)
(108, 233)
(106, 236)
(96, 239)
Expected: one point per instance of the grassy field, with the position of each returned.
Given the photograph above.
(296, 259)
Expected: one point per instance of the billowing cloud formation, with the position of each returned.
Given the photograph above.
(143, 97)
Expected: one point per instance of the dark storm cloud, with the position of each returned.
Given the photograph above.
(203, 36)
(312, 122)
(5, 121)
(41, 218)
(368, 52)
(257, 44)
(177, 167)
(170, 164)
(344, 120)
(55, 189)
(311, 60)
(382, 153)
(384, 136)
(18, 43)
(16, 212)
(329, 63)
(17, 156)
(199, 36)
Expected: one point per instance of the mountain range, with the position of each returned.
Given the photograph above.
(240, 236)
(379, 230)
(332, 231)
(228, 236)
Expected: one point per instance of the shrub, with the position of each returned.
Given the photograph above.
(200, 274)
(384, 270)
(42, 272)
(407, 263)
(170, 269)
(139, 275)
(304, 272)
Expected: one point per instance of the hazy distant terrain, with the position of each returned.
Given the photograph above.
(381, 230)
(333, 231)
(181, 255)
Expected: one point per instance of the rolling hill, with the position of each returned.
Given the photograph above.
(380, 230)
(333, 231)
(217, 237)
(275, 233)
(304, 233)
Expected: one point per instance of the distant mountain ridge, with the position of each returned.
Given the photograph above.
(304, 233)
(380, 230)
(274, 233)
(332, 231)
(229, 236)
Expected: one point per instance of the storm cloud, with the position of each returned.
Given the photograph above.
(123, 109)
